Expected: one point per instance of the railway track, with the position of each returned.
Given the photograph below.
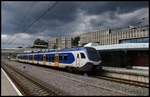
(115, 86)
(124, 81)
(27, 85)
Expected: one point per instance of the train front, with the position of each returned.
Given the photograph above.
(94, 60)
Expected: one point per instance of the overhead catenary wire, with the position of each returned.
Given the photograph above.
(22, 23)
(49, 9)
(45, 12)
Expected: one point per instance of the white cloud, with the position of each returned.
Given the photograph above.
(4, 36)
(22, 35)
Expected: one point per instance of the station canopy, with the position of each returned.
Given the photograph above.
(123, 46)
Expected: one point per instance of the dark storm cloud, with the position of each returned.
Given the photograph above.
(68, 18)
(22, 14)
(122, 6)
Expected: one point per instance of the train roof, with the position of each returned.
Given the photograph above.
(73, 49)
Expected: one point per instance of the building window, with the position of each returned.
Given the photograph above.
(140, 40)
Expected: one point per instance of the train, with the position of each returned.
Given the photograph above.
(82, 59)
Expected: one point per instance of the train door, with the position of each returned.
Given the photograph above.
(56, 60)
(78, 60)
(44, 59)
(33, 58)
(28, 58)
(82, 59)
(38, 59)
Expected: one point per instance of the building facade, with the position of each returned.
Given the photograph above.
(52, 43)
(59, 43)
(116, 36)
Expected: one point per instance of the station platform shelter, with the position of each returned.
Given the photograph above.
(129, 55)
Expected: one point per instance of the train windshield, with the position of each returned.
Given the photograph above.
(93, 54)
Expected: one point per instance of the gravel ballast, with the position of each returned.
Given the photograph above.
(75, 84)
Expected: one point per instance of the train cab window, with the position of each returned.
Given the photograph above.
(82, 55)
(60, 57)
(65, 58)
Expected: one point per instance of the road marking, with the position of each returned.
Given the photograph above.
(18, 92)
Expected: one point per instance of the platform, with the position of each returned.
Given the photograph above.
(127, 71)
(128, 74)
(7, 86)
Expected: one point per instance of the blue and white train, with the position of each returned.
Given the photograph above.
(82, 59)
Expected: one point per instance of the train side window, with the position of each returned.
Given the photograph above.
(35, 57)
(82, 55)
(65, 58)
(40, 58)
(60, 57)
(52, 59)
(30, 57)
(47, 58)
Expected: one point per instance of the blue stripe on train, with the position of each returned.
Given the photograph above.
(70, 57)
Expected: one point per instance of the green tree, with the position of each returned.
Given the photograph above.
(19, 47)
(75, 41)
(38, 41)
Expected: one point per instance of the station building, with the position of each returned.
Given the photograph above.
(120, 36)
(116, 36)
(59, 43)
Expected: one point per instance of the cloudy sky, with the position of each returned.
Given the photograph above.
(22, 22)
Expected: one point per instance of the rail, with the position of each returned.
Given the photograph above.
(28, 85)
(124, 81)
